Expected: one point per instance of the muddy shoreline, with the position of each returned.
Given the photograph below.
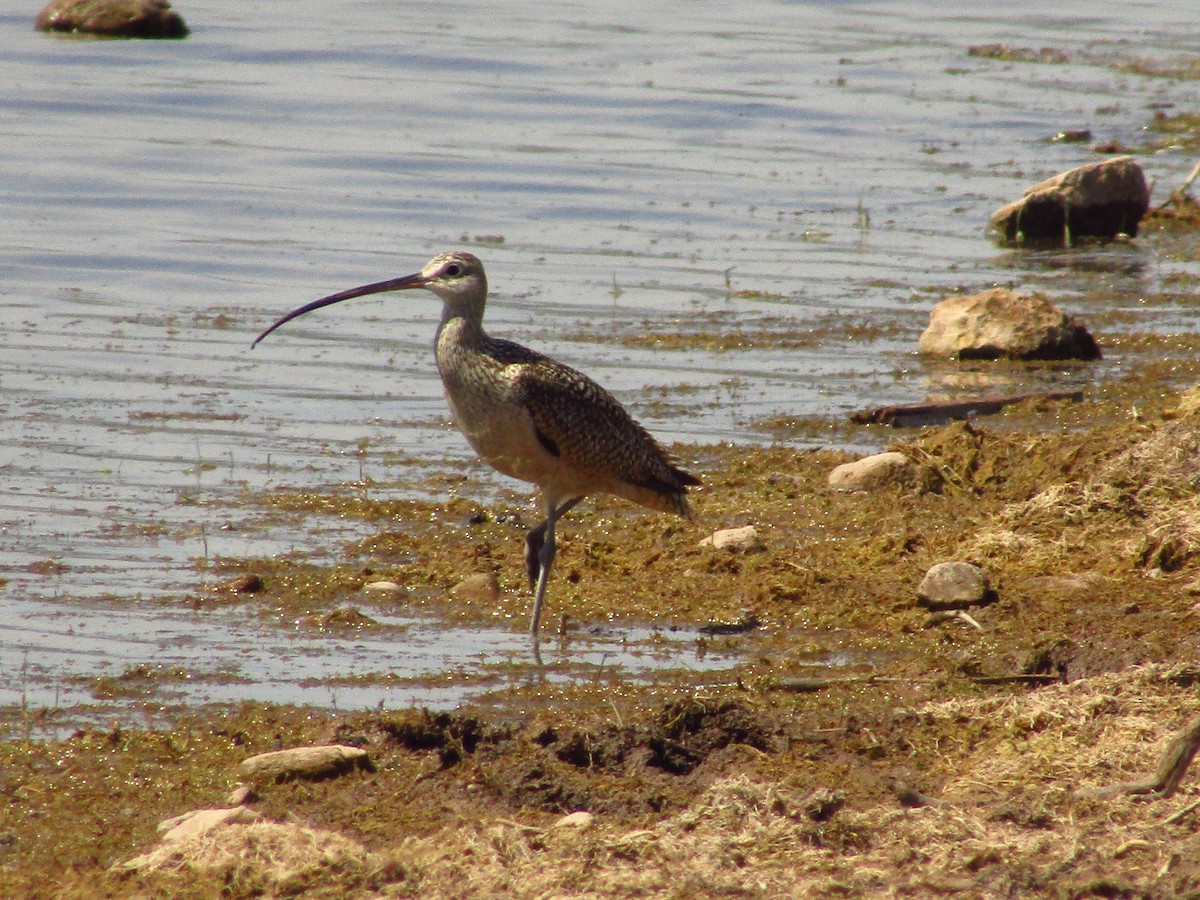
(934, 755)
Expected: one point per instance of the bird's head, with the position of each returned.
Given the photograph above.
(457, 277)
(453, 276)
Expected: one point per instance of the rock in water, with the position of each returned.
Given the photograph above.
(482, 588)
(1101, 199)
(1001, 323)
(113, 18)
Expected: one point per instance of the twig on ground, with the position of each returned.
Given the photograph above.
(1170, 771)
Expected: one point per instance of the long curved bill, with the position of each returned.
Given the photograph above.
(392, 284)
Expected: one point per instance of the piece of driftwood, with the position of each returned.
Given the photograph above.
(812, 685)
(1171, 768)
(1016, 679)
(1180, 192)
(944, 615)
(938, 412)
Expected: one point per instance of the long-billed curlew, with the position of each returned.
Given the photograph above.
(529, 416)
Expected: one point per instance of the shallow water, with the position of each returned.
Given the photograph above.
(769, 166)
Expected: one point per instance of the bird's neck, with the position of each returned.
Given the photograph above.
(462, 327)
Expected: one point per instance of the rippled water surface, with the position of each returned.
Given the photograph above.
(820, 169)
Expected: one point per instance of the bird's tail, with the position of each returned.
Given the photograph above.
(663, 494)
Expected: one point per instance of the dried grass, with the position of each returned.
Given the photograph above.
(1153, 486)
(1012, 815)
(262, 859)
(1016, 814)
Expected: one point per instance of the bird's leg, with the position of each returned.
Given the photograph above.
(533, 553)
(536, 538)
(545, 560)
(539, 556)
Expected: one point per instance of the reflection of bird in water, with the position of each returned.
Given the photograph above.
(530, 416)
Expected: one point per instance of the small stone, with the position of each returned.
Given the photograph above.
(309, 763)
(1071, 585)
(1072, 136)
(873, 472)
(199, 821)
(113, 18)
(745, 621)
(482, 588)
(823, 804)
(741, 540)
(342, 617)
(580, 819)
(246, 583)
(241, 795)
(385, 588)
(953, 585)
(911, 797)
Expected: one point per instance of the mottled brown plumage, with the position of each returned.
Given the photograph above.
(532, 417)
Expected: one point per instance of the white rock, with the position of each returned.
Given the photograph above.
(580, 819)
(872, 472)
(241, 795)
(387, 588)
(305, 762)
(1002, 323)
(742, 539)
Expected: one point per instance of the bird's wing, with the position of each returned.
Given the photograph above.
(583, 423)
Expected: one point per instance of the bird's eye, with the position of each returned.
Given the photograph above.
(453, 270)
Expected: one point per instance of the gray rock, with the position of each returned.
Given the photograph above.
(309, 763)
(954, 585)
(1101, 199)
(1001, 323)
(112, 18)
